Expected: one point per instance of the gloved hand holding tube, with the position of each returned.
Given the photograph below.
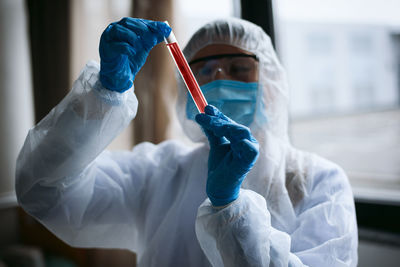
(233, 152)
(124, 47)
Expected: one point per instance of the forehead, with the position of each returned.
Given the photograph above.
(218, 49)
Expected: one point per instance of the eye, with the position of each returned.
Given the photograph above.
(198, 68)
(205, 70)
(243, 69)
(240, 67)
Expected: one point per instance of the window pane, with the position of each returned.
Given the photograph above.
(343, 64)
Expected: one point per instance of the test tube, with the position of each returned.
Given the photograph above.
(185, 71)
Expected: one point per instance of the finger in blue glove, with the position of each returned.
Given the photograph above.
(124, 47)
(233, 152)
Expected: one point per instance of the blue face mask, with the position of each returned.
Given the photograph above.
(235, 99)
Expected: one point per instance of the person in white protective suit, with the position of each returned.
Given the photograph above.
(244, 197)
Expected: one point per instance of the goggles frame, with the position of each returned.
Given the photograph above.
(222, 56)
(202, 79)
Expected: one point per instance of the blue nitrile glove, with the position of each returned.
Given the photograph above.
(233, 152)
(124, 47)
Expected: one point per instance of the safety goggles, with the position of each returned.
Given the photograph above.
(239, 67)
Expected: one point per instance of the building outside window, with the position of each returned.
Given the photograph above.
(343, 64)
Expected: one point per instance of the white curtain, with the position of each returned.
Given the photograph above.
(16, 103)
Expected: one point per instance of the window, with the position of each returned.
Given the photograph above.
(343, 64)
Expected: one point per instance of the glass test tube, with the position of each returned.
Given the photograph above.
(186, 72)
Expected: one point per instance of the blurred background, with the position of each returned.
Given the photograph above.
(343, 63)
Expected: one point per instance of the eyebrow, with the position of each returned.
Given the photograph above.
(222, 56)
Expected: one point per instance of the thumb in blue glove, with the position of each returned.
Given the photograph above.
(233, 152)
(124, 47)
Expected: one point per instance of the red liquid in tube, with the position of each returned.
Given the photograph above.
(187, 75)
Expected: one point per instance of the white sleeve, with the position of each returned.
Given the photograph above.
(60, 177)
(325, 235)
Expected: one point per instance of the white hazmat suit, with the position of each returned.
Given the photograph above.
(294, 208)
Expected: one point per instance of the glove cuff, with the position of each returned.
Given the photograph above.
(222, 202)
(118, 76)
